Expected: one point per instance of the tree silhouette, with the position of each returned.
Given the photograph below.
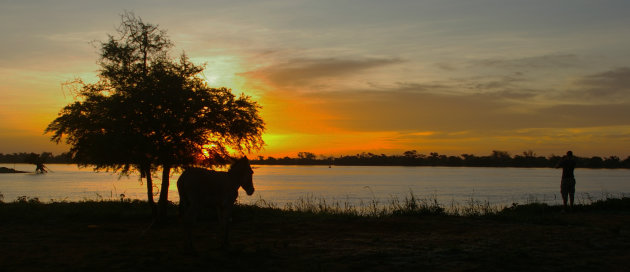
(412, 158)
(307, 156)
(149, 111)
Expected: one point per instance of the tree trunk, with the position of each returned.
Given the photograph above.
(147, 173)
(163, 202)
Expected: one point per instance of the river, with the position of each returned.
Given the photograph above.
(357, 185)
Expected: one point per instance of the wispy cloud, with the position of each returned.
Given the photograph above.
(300, 72)
(408, 110)
(534, 62)
(612, 84)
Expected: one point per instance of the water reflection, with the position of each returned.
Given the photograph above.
(356, 185)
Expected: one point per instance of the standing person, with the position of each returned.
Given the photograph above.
(567, 185)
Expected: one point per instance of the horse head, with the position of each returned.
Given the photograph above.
(243, 173)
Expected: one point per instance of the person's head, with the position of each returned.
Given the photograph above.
(569, 153)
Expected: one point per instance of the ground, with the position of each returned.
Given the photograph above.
(63, 237)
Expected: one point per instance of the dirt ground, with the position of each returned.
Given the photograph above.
(275, 241)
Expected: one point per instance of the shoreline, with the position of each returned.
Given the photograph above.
(324, 164)
(6, 170)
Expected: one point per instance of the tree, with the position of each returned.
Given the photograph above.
(529, 154)
(149, 111)
(411, 154)
(306, 156)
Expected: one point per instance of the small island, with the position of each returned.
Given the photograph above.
(5, 170)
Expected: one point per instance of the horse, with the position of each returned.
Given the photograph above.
(201, 188)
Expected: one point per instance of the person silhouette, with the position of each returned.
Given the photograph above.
(567, 184)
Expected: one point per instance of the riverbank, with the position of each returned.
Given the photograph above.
(6, 170)
(114, 236)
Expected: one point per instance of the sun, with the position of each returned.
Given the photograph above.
(223, 71)
(213, 80)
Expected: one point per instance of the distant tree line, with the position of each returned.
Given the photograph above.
(413, 158)
(408, 158)
(44, 157)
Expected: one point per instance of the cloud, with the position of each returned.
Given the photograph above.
(614, 83)
(509, 87)
(422, 87)
(404, 110)
(579, 115)
(502, 83)
(299, 72)
(484, 105)
(536, 62)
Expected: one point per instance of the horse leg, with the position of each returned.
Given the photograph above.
(224, 218)
(189, 217)
(183, 206)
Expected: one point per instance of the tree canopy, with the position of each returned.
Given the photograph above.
(149, 111)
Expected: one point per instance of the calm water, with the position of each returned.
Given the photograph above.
(352, 184)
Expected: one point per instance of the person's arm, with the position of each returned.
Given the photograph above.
(560, 163)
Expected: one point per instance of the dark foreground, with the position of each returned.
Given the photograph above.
(110, 236)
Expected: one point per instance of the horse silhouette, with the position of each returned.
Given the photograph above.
(200, 189)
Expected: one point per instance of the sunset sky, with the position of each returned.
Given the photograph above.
(342, 77)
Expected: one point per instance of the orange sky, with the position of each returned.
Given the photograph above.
(347, 77)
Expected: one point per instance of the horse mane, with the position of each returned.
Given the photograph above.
(239, 164)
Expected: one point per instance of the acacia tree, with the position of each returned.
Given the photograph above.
(149, 111)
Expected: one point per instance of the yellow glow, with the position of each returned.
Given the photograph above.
(295, 121)
(205, 150)
(423, 133)
(223, 71)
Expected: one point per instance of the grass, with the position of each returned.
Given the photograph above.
(32, 209)
(410, 205)
(311, 234)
